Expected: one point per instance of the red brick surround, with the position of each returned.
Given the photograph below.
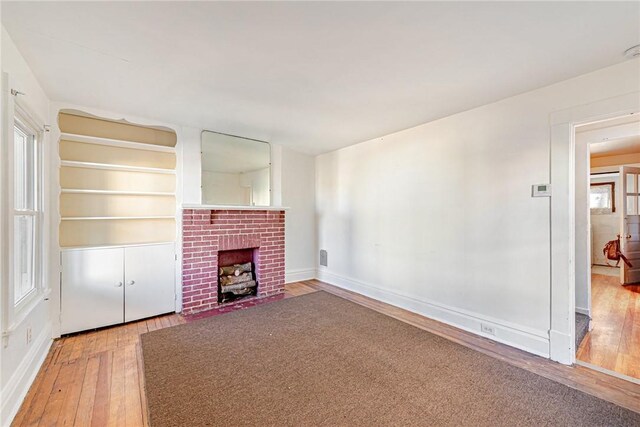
(207, 231)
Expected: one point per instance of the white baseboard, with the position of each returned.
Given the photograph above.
(291, 276)
(18, 385)
(527, 339)
(584, 311)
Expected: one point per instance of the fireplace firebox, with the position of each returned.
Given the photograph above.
(237, 274)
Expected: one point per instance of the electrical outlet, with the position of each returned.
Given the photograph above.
(29, 335)
(487, 329)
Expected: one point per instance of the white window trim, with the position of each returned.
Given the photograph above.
(16, 312)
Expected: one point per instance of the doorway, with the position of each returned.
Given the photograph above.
(607, 294)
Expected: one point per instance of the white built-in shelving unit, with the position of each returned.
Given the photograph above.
(118, 221)
(117, 183)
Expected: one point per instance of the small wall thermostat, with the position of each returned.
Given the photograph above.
(541, 190)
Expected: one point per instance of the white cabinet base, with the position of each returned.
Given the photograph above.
(92, 288)
(108, 286)
(150, 281)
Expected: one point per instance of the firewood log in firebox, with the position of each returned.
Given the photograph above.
(238, 287)
(243, 291)
(230, 280)
(235, 270)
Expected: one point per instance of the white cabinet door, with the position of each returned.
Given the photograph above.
(149, 281)
(92, 288)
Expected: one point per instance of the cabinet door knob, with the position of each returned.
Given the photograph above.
(119, 285)
(131, 282)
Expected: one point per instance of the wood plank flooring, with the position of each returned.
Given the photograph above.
(96, 378)
(92, 379)
(614, 341)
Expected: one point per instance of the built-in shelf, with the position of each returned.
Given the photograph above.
(116, 192)
(234, 207)
(89, 165)
(88, 219)
(115, 143)
(102, 218)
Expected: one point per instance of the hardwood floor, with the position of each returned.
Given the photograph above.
(614, 341)
(92, 379)
(96, 378)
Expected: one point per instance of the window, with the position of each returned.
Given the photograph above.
(602, 198)
(27, 218)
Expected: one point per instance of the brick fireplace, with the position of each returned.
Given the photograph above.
(206, 232)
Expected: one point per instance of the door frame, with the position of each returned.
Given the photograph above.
(563, 161)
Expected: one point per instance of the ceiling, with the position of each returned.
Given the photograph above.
(314, 76)
(612, 137)
(616, 147)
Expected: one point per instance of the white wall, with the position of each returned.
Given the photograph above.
(298, 193)
(439, 218)
(19, 361)
(189, 148)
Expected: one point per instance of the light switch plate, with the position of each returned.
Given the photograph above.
(541, 190)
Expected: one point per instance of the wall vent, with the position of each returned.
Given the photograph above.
(323, 258)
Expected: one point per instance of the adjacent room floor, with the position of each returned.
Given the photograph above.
(614, 341)
(96, 378)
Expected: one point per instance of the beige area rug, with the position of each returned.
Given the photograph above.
(319, 360)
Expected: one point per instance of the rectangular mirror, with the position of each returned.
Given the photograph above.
(235, 171)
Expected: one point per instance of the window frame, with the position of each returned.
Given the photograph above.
(600, 211)
(17, 311)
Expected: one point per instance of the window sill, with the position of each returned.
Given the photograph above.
(24, 309)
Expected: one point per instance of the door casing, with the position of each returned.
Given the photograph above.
(563, 184)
